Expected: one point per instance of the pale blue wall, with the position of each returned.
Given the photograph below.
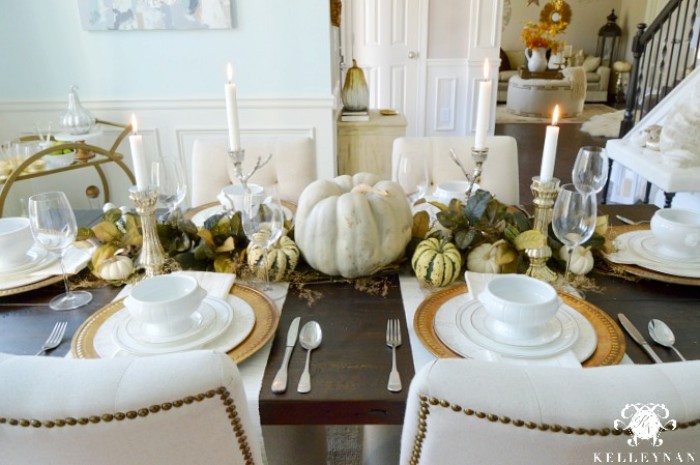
(279, 48)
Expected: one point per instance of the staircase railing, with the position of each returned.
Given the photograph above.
(664, 53)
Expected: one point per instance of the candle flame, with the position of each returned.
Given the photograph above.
(229, 72)
(134, 126)
(555, 115)
(486, 68)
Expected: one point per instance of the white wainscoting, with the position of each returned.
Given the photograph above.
(169, 128)
(446, 102)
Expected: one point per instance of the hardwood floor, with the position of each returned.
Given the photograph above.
(530, 138)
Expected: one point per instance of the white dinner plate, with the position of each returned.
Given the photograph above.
(200, 217)
(32, 261)
(222, 317)
(233, 335)
(454, 326)
(628, 251)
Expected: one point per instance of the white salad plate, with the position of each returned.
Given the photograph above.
(462, 327)
(216, 316)
(202, 322)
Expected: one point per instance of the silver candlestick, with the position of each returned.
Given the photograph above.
(479, 156)
(544, 193)
(152, 256)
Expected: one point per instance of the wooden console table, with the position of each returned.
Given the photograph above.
(365, 146)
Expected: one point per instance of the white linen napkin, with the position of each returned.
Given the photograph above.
(74, 260)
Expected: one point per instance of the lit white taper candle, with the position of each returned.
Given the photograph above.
(138, 156)
(549, 152)
(483, 112)
(234, 137)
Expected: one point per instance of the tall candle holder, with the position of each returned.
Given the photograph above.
(152, 256)
(544, 193)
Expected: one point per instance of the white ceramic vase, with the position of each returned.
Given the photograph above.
(536, 59)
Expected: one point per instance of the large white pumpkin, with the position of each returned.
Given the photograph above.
(352, 225)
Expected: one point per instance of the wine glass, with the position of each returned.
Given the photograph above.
(263, 224)
(412, 175)
(168, 176)
(590, 171)
(573, 218)
(54, 227)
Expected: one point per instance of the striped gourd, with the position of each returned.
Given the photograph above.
(436, 263)
(282, 258)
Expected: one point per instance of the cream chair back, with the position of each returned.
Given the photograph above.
(500, 171)
(293, 166)
(178, 409)
(470, 412)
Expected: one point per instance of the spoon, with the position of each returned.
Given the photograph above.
(626, 220)
(309, 338)
(662, 334)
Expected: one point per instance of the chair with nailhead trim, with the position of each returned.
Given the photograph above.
(472, 412)
(183, 408)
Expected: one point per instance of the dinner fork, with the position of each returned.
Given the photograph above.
(393, 340)
(55, 338)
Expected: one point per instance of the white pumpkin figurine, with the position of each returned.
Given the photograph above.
(115, 268)
(352, 225)
(581, 259)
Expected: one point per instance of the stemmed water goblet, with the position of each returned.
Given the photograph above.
(54, 227)
(573, 219)
(168, 176)
(412, 175)
(263, 223)
(590, 171)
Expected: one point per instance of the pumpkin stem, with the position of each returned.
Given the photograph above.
(367, 189)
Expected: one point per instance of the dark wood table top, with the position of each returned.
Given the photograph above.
(350, 369)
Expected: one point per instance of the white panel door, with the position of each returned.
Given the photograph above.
(386, 41)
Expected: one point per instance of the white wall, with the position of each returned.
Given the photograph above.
(172, 80)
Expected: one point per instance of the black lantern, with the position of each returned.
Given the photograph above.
(608, 41)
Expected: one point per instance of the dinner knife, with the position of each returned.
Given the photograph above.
(637, 337)
(279, 384)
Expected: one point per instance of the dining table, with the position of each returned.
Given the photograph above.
(351, 367)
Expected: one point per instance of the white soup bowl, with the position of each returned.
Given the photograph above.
(678, 232)
(233, 195)
(165, 304)
(518, 306)
(15, 241)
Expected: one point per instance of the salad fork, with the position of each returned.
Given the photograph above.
(55, 338)
(393, 340)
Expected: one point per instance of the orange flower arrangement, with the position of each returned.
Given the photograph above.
(540, 35)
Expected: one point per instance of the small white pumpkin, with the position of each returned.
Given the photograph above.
(581, 259)
(352, 225)
(115, 268)
(491, 258)
(282, 258)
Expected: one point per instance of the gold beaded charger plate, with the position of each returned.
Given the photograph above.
(637, 270)
(611, 342)
(266, 321)
(199, 215)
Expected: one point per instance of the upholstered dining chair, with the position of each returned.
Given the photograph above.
(293, 165)
(184, 408)
(470, 412)
(500, 170)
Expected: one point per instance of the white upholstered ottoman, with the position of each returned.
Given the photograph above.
(537, 98)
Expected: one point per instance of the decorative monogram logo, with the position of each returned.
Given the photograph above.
(645, 421)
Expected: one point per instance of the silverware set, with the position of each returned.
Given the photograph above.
(55, 338)
(659, 332)
(310, 338)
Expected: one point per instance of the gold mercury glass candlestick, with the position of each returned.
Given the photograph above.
(544, 193)
(152, 256)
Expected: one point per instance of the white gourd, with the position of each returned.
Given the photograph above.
(352, 225)
(483, 259)
(581, 259)
(116, 268)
